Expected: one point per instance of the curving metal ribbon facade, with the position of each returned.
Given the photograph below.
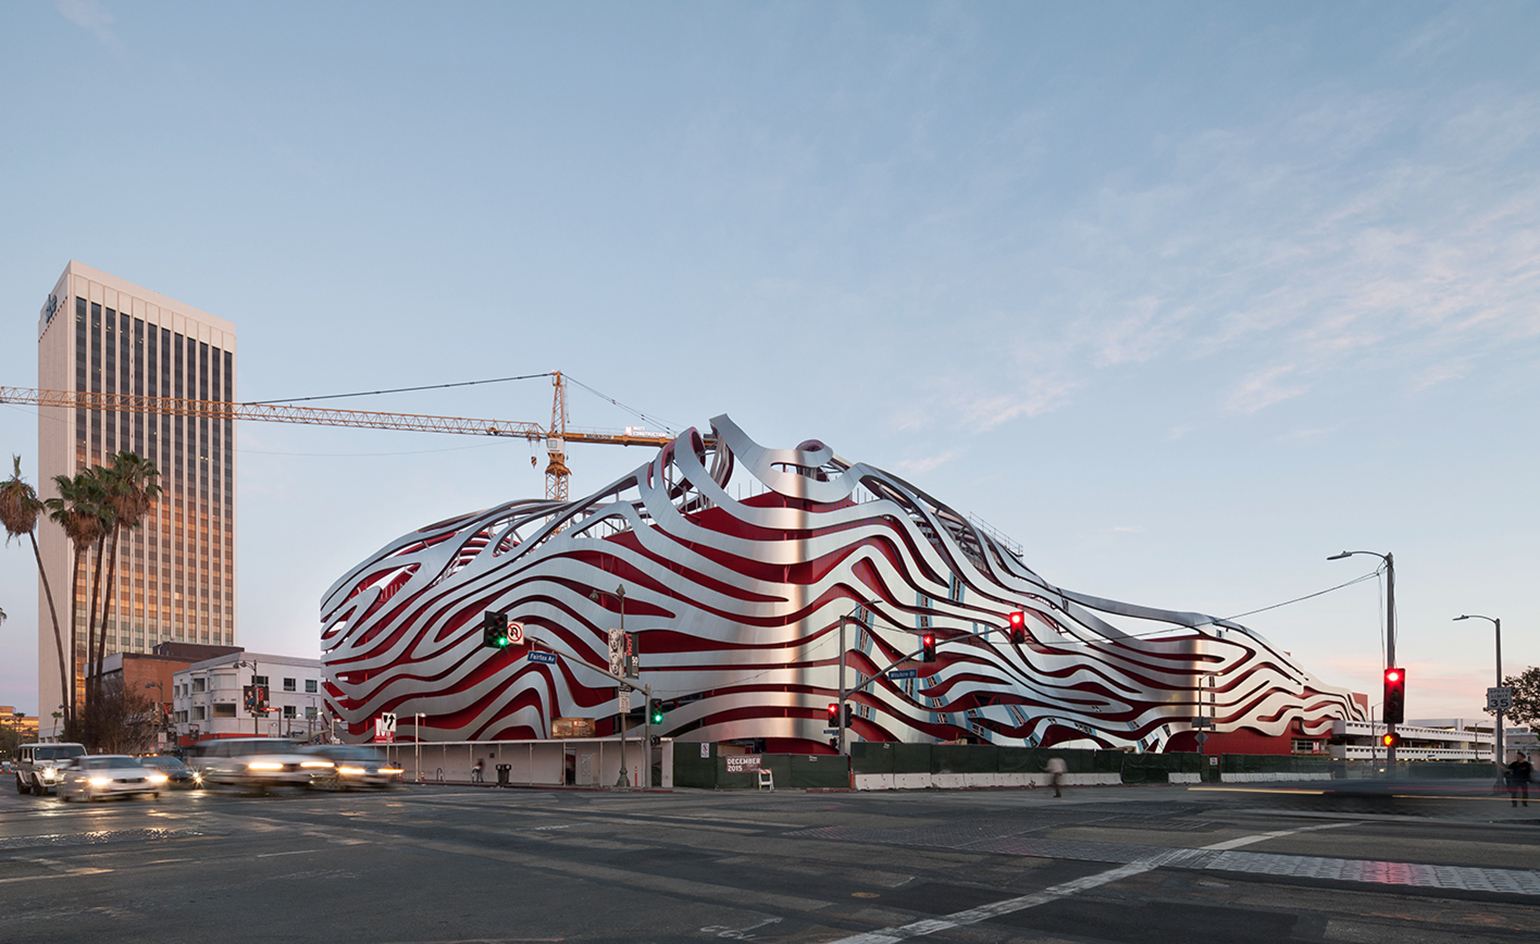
(738, 562)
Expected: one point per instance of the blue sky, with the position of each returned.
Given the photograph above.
(1183, 298)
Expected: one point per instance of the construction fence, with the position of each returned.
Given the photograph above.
(894, 766)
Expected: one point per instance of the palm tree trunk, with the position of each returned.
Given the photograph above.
(96, 588)
(70, 713)
(53, 613)
(108, 599)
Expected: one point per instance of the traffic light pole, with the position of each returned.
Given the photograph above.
(862, 682)
(646, 691)
(1390, 632)
(840, 721)
(1390, 645)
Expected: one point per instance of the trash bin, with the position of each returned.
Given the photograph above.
(502, 774)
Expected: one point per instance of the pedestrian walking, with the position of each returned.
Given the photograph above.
(478, 772)
(1518, 779)
(1056, 769)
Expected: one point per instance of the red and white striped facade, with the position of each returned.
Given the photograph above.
(737, 563)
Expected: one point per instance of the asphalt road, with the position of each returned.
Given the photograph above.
(455, 864)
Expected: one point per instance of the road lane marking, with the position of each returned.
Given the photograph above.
(67, 873)
(269, 855)
(1263, 837)
(996, 909)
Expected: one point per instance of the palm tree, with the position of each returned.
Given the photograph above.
(75, 510)
(19, 510)
(129, 490)
(98, 485)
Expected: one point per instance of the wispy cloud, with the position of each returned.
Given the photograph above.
(93, 17)
(918, 466)
(1039, 395)
(1263, 389)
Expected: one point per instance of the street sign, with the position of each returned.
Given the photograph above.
(625, 700)
(633, 656)
(515, 633)
(899, 674)
(549, 658)
(385, 728)
(1499, 699)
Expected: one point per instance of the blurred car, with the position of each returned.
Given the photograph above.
(356, 765)
(259, 762)
(179, 775)
(109, 775)
(40, 767)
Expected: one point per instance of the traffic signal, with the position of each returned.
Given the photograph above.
(834, 714)
(928, 647)
(1390, 740)
(1395, 696)
(494, 630)
(655, 712)
(850, 711)
(1018, 627)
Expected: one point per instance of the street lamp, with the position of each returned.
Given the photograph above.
(1498, 754)
(840, 719)
(1390, 628)
(238, 665)
(159, 705)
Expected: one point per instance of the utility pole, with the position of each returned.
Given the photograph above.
(1499, 756)
(1390, 632)
(1390, 646)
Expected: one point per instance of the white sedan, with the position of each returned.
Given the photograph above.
(110, 774)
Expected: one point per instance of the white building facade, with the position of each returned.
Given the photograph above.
(208, 698)
(1458, 739)
(175, 578)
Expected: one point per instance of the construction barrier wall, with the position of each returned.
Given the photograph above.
(897, 766)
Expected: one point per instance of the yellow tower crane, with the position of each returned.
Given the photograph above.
(556, 436)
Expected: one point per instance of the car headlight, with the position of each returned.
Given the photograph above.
(392, 770)
(264, 765)
(50, 772)
(313, 764)
(157, 778)
(351, 771)
(100, 781)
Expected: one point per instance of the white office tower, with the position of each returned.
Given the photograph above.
(175, 575)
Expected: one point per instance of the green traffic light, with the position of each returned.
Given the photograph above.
(657, 716)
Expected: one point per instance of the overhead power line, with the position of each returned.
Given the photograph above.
(371, 393)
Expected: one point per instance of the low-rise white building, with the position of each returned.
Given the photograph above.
(1460, 739)
(209, 697)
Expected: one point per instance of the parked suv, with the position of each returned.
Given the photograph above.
(40, 767)
(258, 762)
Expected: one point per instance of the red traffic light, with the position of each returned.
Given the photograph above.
(834, 714)
(1018, 626)
(928, 647)
(1394, 711)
